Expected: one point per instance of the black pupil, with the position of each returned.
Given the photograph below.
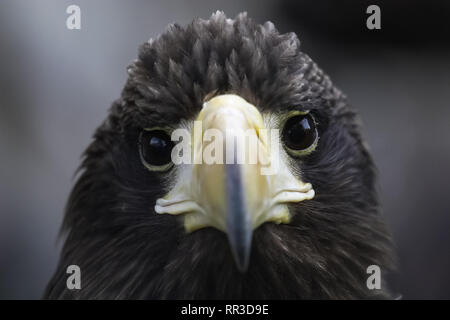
(299, 132)
(156, 147)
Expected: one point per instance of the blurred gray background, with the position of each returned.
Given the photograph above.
(57, 84)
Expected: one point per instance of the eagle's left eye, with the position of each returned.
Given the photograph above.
(300, 134)
(155, 148)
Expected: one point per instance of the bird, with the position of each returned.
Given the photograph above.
(140, 226)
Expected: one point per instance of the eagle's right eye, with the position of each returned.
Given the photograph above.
(155, 148)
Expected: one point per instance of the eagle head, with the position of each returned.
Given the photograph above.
(171, 203)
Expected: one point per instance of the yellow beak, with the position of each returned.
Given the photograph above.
(238, 179)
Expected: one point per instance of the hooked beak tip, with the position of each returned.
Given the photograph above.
(241, 248)
(239, 226)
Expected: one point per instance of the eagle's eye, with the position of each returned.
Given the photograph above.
(155, 148)
(300, 135)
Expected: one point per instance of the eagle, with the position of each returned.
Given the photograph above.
(140, 226)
